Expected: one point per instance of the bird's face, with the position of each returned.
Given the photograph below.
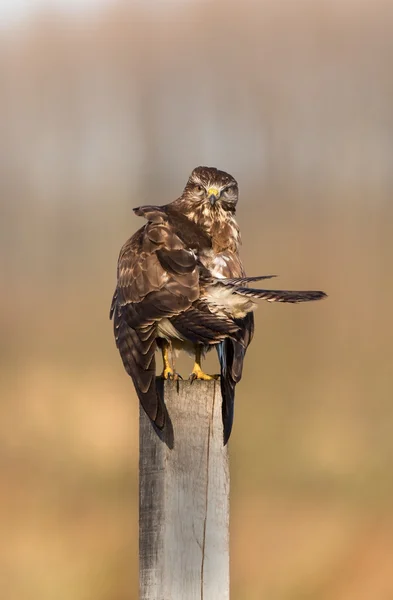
(212, 189)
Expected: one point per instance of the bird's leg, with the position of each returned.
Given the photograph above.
(197, 372)
(168, 372)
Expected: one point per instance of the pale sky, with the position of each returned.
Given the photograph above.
(16, 10)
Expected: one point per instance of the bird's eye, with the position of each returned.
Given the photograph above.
(199, 188)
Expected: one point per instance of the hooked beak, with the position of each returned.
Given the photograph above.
(213, 194)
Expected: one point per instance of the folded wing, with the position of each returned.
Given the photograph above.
(157, 278)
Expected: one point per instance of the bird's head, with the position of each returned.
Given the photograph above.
(212, 189)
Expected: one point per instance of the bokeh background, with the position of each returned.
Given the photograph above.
(108, 105)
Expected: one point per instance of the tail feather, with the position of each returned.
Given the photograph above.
(231, 356)
(225, 355)
(239, 281)
(280, 295)
(238, 284)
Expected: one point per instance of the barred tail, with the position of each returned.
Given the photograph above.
(239, 281)
(280, 295)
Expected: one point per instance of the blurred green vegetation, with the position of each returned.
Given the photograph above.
(105, 113)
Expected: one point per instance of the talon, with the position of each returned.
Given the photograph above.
(168, 373)
(199, 374)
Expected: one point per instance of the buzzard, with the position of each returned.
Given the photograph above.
(181, 285)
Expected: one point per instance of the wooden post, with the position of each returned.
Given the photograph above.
(184, 498)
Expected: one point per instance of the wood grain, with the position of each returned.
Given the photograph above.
(184, 498)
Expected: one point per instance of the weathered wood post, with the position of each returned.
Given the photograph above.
(184, 498)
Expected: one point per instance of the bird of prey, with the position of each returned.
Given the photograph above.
(181, 285)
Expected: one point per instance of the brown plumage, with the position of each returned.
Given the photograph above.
(181, 284)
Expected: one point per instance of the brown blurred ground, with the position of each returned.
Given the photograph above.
(103, 113)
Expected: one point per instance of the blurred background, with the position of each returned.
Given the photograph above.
(108, 105)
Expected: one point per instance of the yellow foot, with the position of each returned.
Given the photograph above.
(169, 373)
(199, 374)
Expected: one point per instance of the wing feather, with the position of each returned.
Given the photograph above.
(200, 326)
(157, 278)
(137, 350)
(231, 355)
(177, 262)
(281, 295)
(229, 268)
